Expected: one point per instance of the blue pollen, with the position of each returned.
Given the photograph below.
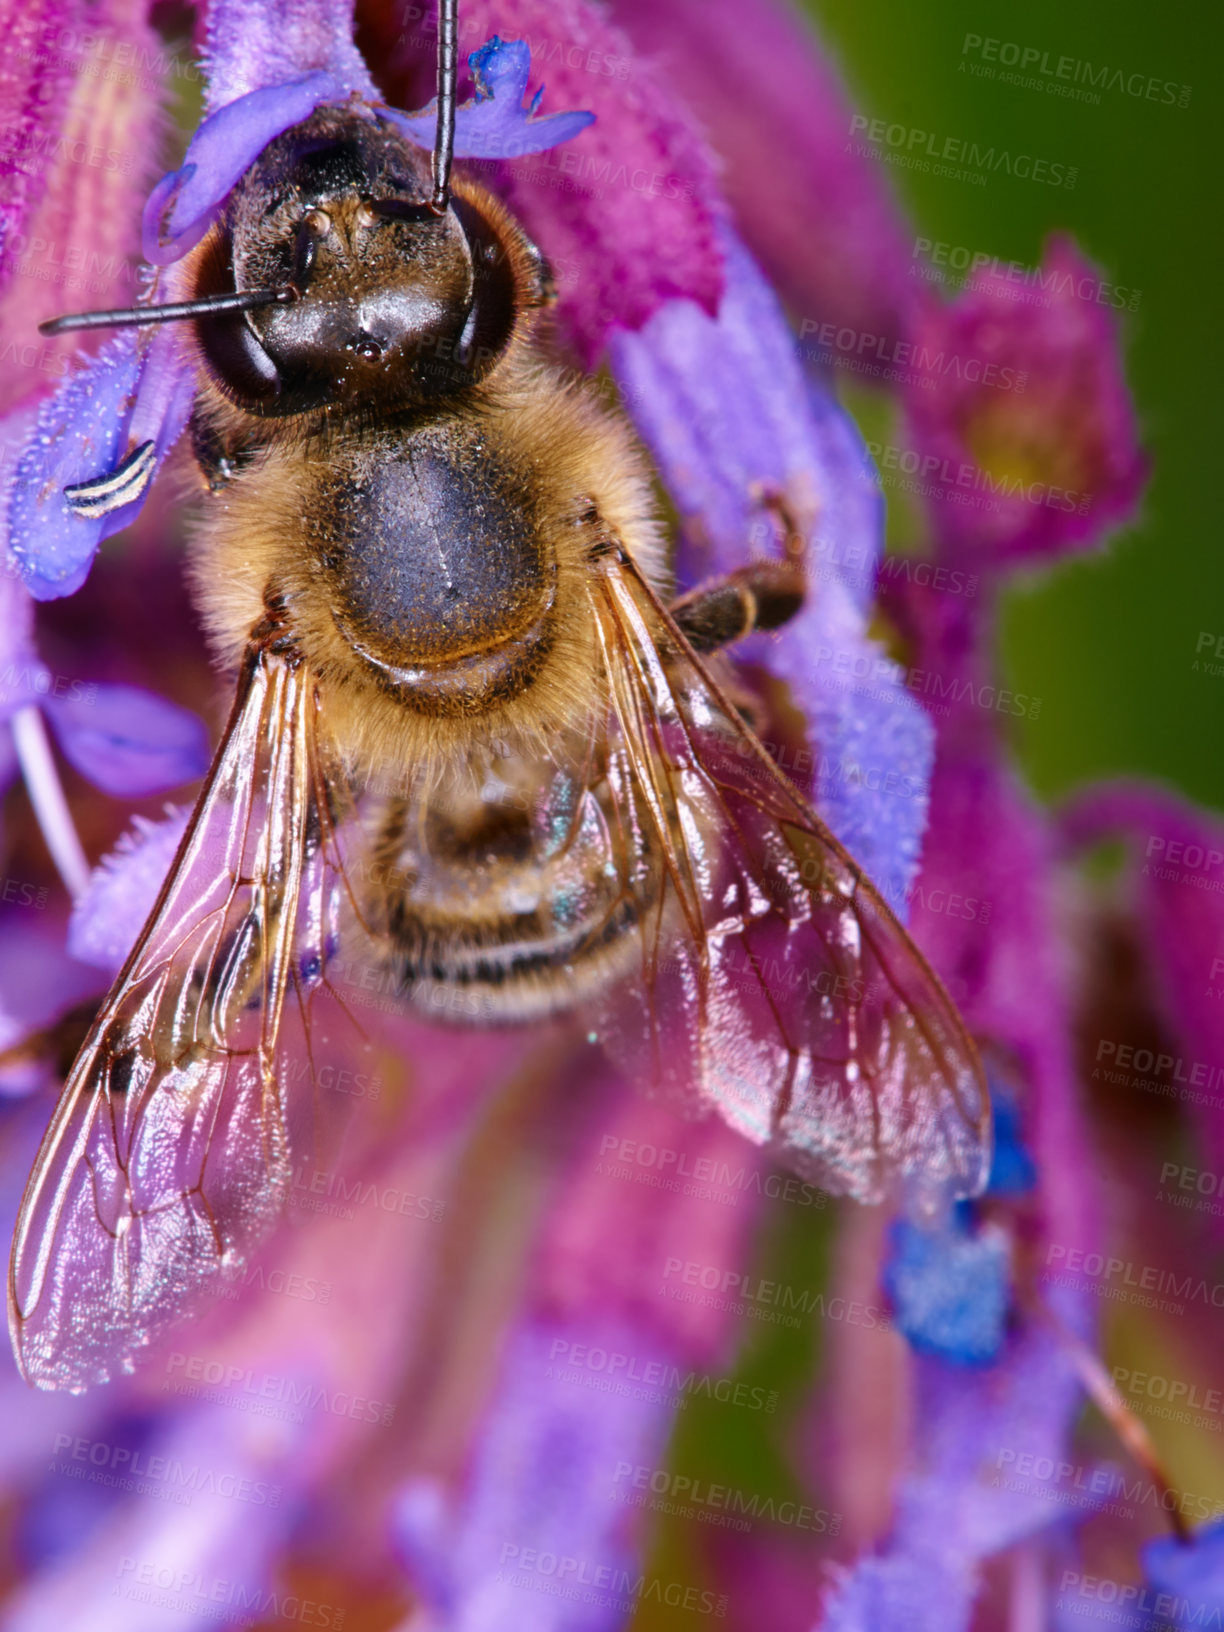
(950, 1289)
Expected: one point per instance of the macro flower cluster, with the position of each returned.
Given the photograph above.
(529, 1350)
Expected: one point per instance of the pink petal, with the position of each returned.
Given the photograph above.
(84, 132)
(1025, 407)
(626, 212)
(1175, 885)
(819, 218)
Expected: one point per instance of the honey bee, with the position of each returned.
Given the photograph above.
(472, 733)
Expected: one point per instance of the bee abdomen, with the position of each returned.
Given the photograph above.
(516, 968)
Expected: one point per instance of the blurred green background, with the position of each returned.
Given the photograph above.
(1108, 642)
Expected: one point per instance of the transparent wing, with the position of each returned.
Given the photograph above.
(772, 981)
(169, 1151)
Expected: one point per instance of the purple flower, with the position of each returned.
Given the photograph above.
(1171, 904)
(1025, 406)
(126, 741)
(68, 225)
(816, 215)
(1187, 1578)
(471, 1362)
(590, 1381)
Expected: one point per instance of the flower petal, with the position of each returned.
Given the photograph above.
(39, 981)
(959, 1504)
(498, 123)
(1191, 1573)
(540, 1488)
(816, 214)
(22, 673)
(112, 909)
(251, 45)
(601, 1253)
(741, 439)
(626, 213)
(128, 741)
(181, 207)
(1031, 402)
(1176, 911)
(36, 82)
(81, 105)
(138, 389)
(494, 125)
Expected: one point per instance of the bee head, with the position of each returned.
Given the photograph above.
(387, 293)
(346, 267)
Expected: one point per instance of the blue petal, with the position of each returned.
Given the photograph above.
(950, 1288)
(495, 124)
(182, 205)
(128, 741)
(1191, 1574)
(138, 388)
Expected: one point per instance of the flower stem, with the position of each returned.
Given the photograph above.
(47, 796)
(1130, 1430)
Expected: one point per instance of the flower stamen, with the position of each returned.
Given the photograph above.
(47, 797)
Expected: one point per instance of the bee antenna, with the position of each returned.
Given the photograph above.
(173, 312)
(448, 74)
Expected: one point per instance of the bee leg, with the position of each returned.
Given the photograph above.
(762, 595)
